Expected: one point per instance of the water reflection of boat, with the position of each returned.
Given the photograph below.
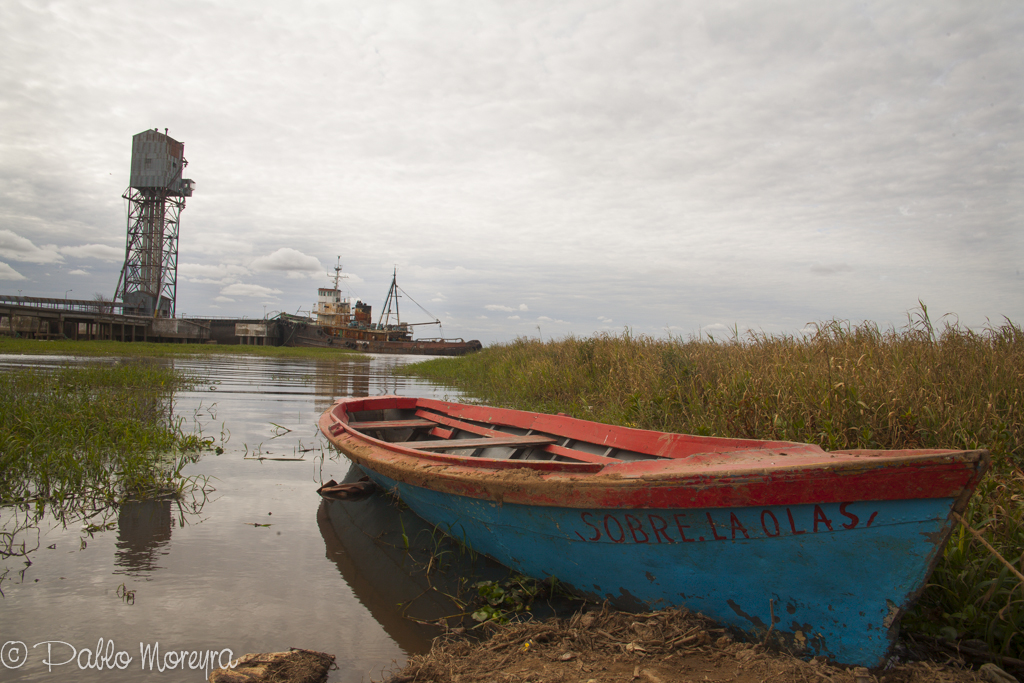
(824, 549)
(364, 538)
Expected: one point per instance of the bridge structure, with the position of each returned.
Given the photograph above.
(43, 318)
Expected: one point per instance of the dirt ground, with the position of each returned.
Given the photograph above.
(661, 647)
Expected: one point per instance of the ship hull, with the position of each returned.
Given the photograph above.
(297, 334)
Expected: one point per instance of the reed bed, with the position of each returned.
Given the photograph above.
(845, 386)
(76, 441)
(154, 350)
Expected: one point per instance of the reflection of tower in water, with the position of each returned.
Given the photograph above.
(143, 531)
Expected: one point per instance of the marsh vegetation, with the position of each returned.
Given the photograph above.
(78, 440)
(844, 386)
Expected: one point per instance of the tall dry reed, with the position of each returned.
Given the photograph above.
(845, 386)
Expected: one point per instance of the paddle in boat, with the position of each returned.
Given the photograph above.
(823, 549)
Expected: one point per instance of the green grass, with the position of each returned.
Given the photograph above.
(843, 387)
(76, 441)
(153, 350)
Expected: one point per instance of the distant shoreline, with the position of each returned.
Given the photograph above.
(141, 349)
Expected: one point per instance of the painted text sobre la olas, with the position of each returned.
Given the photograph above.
(690, 527)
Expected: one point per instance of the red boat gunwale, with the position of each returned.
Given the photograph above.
(690, 471)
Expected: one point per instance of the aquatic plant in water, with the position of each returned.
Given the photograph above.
(77, 440)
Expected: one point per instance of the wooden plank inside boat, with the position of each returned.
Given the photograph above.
(440, 444)
(391, 424)
(579, 455)
(460, 425)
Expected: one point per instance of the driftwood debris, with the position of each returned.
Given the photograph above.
(356, 490)
(294, 666)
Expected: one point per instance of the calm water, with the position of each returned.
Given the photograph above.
(330, 576)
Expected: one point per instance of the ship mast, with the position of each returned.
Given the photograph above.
(385, 315)
(337, 273)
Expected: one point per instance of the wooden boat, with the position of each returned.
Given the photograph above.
(823, 550)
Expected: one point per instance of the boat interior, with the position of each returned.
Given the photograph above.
(431, 430)
(501, 438)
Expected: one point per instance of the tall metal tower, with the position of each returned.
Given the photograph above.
(156, 196)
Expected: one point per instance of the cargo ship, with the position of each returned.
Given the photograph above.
(348, 323)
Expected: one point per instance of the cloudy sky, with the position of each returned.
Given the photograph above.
(531, 167)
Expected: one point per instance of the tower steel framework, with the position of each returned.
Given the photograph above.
(156, 197)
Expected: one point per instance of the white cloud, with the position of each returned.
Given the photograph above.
(224, 299)
(290, 261)
(350, 278)
(14, 246)
(240, 289)
(196, 270)
(101, 252)
(513, 317)
(78, 271)
(506, 309)
(223, 282)
(8, 273)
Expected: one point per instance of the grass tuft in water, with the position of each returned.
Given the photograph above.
(76, 441)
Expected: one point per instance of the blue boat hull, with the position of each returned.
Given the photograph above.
(828, 579)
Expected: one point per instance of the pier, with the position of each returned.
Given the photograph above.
(41, 318)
